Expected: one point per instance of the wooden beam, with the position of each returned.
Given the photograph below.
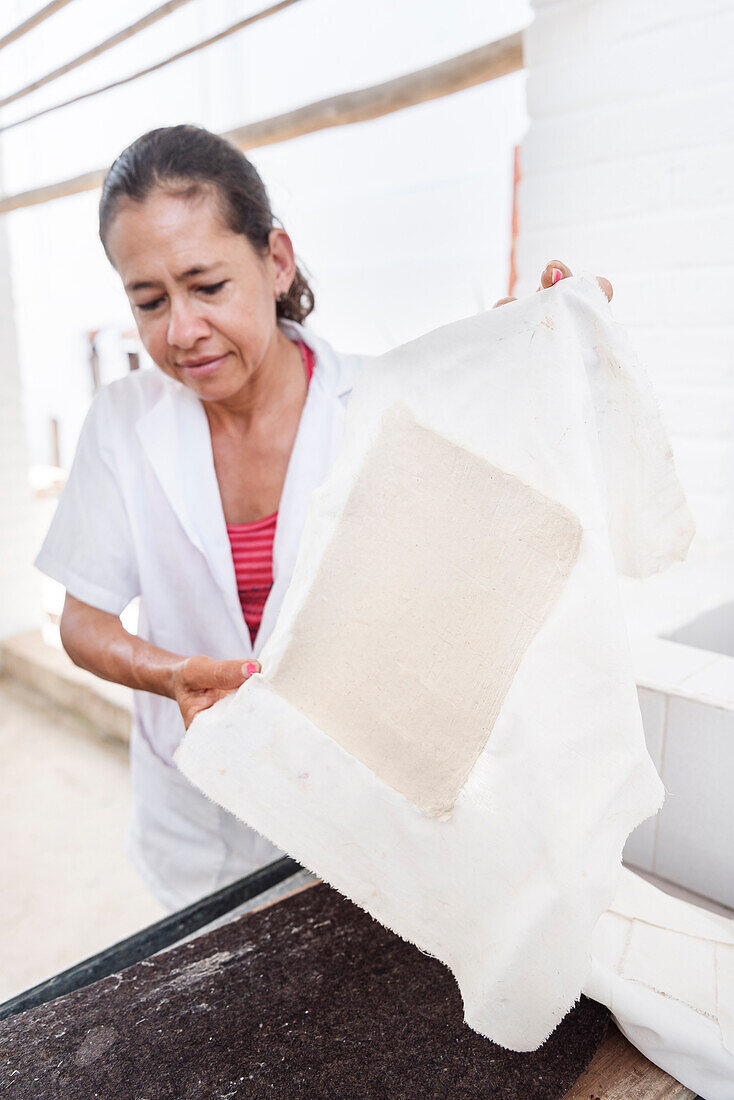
(32, 21)
(73, 186)
(102, 47)
(233, 29)
(476, 67)
(469, 69)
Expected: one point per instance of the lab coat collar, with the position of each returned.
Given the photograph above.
(334, 373)
(175, 437)
(174, 434)
(314, 452)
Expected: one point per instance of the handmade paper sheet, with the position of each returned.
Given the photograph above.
(363, 664)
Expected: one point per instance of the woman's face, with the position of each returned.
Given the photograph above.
(202, 297)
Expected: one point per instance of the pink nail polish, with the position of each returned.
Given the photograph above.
(556, 274)
(251, 668)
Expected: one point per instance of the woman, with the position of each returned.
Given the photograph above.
(181, 473)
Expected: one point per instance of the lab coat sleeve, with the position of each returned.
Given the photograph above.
(89, 546)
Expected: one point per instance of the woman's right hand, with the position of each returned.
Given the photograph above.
(97, 640)
(199, 682)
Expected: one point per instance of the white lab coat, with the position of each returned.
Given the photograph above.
(141, 515)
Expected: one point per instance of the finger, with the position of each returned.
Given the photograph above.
(503, 301)
(606, 287)
(553, 272)
(189, 709)
(225, 675)
(188, 713)
(249, 668)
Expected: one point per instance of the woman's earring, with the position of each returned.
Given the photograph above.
(282, 297)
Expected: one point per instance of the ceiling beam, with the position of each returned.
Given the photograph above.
(465, 71)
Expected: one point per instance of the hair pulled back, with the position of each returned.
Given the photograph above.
(186, 159)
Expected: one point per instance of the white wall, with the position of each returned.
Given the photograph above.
(18, 586)
(628, 167)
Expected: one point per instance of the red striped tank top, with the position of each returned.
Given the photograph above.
(252, 548)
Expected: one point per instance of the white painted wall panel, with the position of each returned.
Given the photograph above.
(682, 117)
(678, 180)
(19, 608)
(627, 169)
(649, 241)
(638, 66)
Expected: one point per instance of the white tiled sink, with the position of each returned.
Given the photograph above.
(685, 676)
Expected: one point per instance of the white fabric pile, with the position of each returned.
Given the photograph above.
(666, 970)
(446, 727)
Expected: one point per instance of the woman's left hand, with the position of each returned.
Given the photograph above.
(552, 273)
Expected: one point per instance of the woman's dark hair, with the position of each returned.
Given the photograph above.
(186, 160)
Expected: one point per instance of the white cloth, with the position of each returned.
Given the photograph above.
(141, 514)
(666, 970)
(504, 881)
